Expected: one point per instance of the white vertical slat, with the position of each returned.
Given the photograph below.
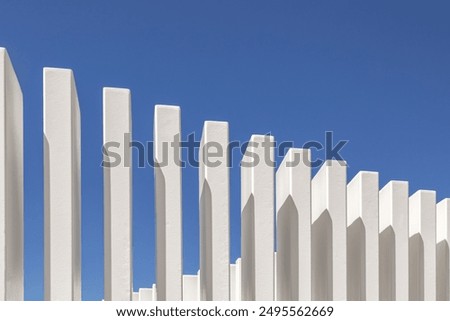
(145, 294)
(293, 198)
(257, 208)
(394, 241)
(442, 250)
(214, 212)
(117, 194)
(154, 293)
(11, 182)
(362, 237)
(190, 288)
(135, 296)
(329, 232)
(232, 282)
(275, 276)
(238, 280)
(62, 186)
(422, 246)
(167, 129)
(198, 284)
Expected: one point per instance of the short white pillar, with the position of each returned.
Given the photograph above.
(293, 198)
(198, 284)
(232, 282)
(394, 240)
(145, 294)
(214, 212)
(154, 293)
(11, 182)
(257, 208)
(167, 153)
(238, 280)
(329, 232)
(442, 249)
(362, 237)
(422, 246)
(117, 187)
(62, 186)
(190, 288)
(275, 276)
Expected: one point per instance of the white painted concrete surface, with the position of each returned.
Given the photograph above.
(293, 198)
(145, 294)
(11, 183)
(422, 246)
(257, 210)
(442, 250)
(190, 288)
(118, 259)
(335, 241)
(394, 241)
(62, 174)
(214, 212)
(167, 130)
(329, 232)
(362, 237)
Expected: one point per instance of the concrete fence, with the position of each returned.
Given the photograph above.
(303, 237)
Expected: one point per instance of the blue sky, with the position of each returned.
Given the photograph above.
(376, 73)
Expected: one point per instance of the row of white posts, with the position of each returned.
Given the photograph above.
(334, 241)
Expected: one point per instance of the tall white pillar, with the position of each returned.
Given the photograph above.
(442, 250)
(293, 198)
(422, 246)
(117, 187)
(394, 240)
(362, 237)
(257, 208)
(167, 159)
(214, 212)
(62, 186)
(329, 232)
(11, 182)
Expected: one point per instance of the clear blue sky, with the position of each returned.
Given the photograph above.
(375, 72)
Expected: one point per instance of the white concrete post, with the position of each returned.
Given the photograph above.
(329, 232)
(232, 282)
(62, 186)
(293, 198)
(394, 240)
(257, 208)
(11, 182)
(442, 250)
(275, 276)
(154, 293)
(118, 263)
(190, 288)
(214, 212)
(167, 130)
(362, 237)
(145, 294)
(238, 284)
(198, 284)
(422, 246)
